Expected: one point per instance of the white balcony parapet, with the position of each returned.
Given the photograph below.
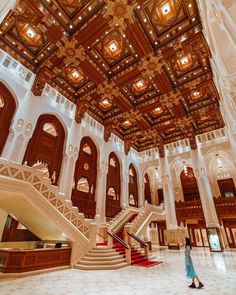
(134, 155)
(15, 68)
(57, 99)
(211, 137)
(149, 155)
(117, 142)
(93, 125)
(177, 147)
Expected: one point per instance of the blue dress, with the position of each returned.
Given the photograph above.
(190, 272)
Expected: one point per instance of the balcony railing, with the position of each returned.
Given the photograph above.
(16, 69)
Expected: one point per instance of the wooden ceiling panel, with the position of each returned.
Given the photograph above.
(141, 68)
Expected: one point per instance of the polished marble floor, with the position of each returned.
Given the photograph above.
(217, 271)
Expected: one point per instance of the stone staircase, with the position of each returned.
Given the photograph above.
(46, 197)
(101, 257)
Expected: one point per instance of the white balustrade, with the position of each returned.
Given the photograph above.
(56, 98)
(149, 155)
(93, 125)
(177, 147)
(16, 69)
(117, 142)
(212, 137)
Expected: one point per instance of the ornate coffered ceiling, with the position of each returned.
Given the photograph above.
(141, 68)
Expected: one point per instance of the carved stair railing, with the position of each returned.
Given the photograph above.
(50, 193)
(122, 219)
(146, 215)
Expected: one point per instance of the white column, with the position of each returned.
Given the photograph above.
(101, 193)
(5, 6)
(204, 188)
(67, 171)
(125, 190)
(169, 198)
(141, 198)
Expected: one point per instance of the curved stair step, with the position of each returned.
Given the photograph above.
(101, 267)
(109, 258)
(102, 250)
(102, 254)
(105, 262)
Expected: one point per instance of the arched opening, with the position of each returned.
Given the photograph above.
(189, 185)
(147, 189)
(85, 177)
(133, 187)
(113, 186)
(7, 110)
(45, 148)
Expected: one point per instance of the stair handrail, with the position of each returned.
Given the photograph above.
(124, 244)
(145, 245)
(119, 222)
(118, 239)
(105, 238)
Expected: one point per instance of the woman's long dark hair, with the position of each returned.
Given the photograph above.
(188, 242)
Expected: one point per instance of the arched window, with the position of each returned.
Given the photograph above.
(83, 185)
(113, 162)
(1, 102)
(50, 129)
(46, 145)
(7, 110)
(133, 187)
(83, 193)
(87, 149)
(113, 186)
(189, 184)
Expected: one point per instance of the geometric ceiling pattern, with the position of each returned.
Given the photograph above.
(141, 68)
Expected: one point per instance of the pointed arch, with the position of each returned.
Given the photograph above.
(189, 185)
(133, 186)
(7, 111)
(113, 186)
(45, 147)
(86, 168)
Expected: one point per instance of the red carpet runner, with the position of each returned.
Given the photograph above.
(136, 257)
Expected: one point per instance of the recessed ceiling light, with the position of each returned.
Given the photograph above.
(59, 13)
(165, 9)
(31, 32)
(90, 8)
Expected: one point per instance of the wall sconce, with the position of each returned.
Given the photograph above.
(29, 127)
(20, 123)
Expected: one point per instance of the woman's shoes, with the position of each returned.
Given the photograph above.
(200, 285)
(193, 286)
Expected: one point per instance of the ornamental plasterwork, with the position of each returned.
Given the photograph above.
(71, 52)
(120, 11)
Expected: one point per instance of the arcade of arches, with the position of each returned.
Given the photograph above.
(116, 112)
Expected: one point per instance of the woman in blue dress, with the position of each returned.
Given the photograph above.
(190, 272)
